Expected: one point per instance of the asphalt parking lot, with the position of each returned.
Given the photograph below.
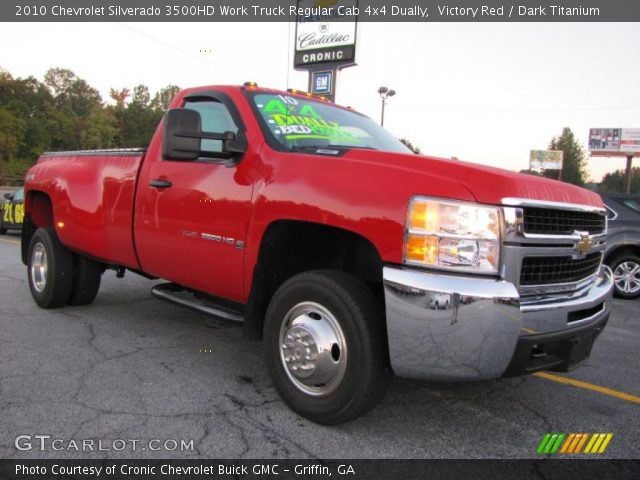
(130, 367)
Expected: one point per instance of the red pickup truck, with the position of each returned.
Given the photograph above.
(351, 257)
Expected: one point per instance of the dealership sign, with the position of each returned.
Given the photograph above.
(546, 159)
(325, 33)
(614, 140)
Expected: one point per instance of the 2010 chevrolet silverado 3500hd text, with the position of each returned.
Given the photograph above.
(351, 257)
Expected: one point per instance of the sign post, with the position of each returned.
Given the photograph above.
(616, 142)
(325, 42)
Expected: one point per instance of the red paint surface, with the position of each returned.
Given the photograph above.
(110, 212)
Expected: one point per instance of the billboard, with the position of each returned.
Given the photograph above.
(614, 140)
(630, 140)
(325, 33)
(546, 159)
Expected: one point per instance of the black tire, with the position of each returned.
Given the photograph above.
(617, 265)
(3, 231)
(86, 281)
(365, 372)
(50, 287)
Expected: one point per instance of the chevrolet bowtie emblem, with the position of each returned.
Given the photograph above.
(584, 244)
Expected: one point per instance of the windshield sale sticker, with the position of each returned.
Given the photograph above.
(298, 120)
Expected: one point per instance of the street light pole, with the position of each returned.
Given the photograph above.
(384, 93)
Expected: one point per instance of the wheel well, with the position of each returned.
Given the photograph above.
(39, 213)
(292, 247)
(617, 252)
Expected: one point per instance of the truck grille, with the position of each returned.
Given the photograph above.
(551, 270)
(547, 221)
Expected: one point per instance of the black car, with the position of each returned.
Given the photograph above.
(623, 242)
(12, 211)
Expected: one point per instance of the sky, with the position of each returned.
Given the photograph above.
(482, 92)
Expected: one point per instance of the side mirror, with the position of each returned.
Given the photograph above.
(183, 135)
(232, 143)
(8, 196)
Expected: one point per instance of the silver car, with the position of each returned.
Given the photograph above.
(623, 242)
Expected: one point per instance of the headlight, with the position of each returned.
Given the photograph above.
(452, 235)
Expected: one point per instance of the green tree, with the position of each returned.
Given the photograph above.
(139, 119)
(615, 181)
(101, 129)
(12, 129)
(574, 159)
(74, 100)
(163, 98)
(415, 149)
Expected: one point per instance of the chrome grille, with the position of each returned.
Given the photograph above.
(546, 221)
(561, 269)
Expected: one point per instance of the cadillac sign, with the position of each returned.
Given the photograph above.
(325, 33)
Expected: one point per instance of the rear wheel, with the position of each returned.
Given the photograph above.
(50, 269)
(86, 281)
(626, 275)
(326, 346)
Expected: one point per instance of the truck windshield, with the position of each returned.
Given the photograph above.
(298, 123)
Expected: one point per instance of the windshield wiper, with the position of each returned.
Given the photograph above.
(352, 146)
(297, 148)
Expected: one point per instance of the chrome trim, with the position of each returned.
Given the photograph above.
(526, 202)
(474, 338)
(186, 298)
(313, 349)
(547, 315)
(615, 214)
(556, 288)
(514, 231)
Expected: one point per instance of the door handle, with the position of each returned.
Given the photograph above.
(158, 183)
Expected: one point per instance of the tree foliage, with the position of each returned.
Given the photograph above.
(414, 148)
(574, 159)
(615, 181)
(64, 112)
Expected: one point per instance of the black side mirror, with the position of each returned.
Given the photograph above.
(8, 196)
(232, 143)
(182, 134)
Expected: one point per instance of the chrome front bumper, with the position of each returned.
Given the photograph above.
(445, 327)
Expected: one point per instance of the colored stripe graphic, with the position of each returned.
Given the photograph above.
(550, 443)
(572, 443)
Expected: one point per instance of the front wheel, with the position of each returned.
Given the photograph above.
(326, 346)
(626, 276)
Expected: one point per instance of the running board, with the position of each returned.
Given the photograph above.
(173, 293)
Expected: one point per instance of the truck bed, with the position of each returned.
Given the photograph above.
(93, 195)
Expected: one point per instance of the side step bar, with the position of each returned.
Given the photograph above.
(173, 293)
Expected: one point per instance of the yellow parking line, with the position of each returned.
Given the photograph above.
(589, 386)
(9, 241)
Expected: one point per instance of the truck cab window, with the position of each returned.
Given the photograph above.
(215, 119)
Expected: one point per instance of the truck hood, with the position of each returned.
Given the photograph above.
(487, 184)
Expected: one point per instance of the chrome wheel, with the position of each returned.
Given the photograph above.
(39, 266)
(313, 349)
(626, 276)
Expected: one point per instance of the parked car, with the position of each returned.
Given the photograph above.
(309, 223)
(623, 242)
(12, 210)
(439, 300)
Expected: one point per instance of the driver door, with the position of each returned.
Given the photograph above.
(192, 216)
